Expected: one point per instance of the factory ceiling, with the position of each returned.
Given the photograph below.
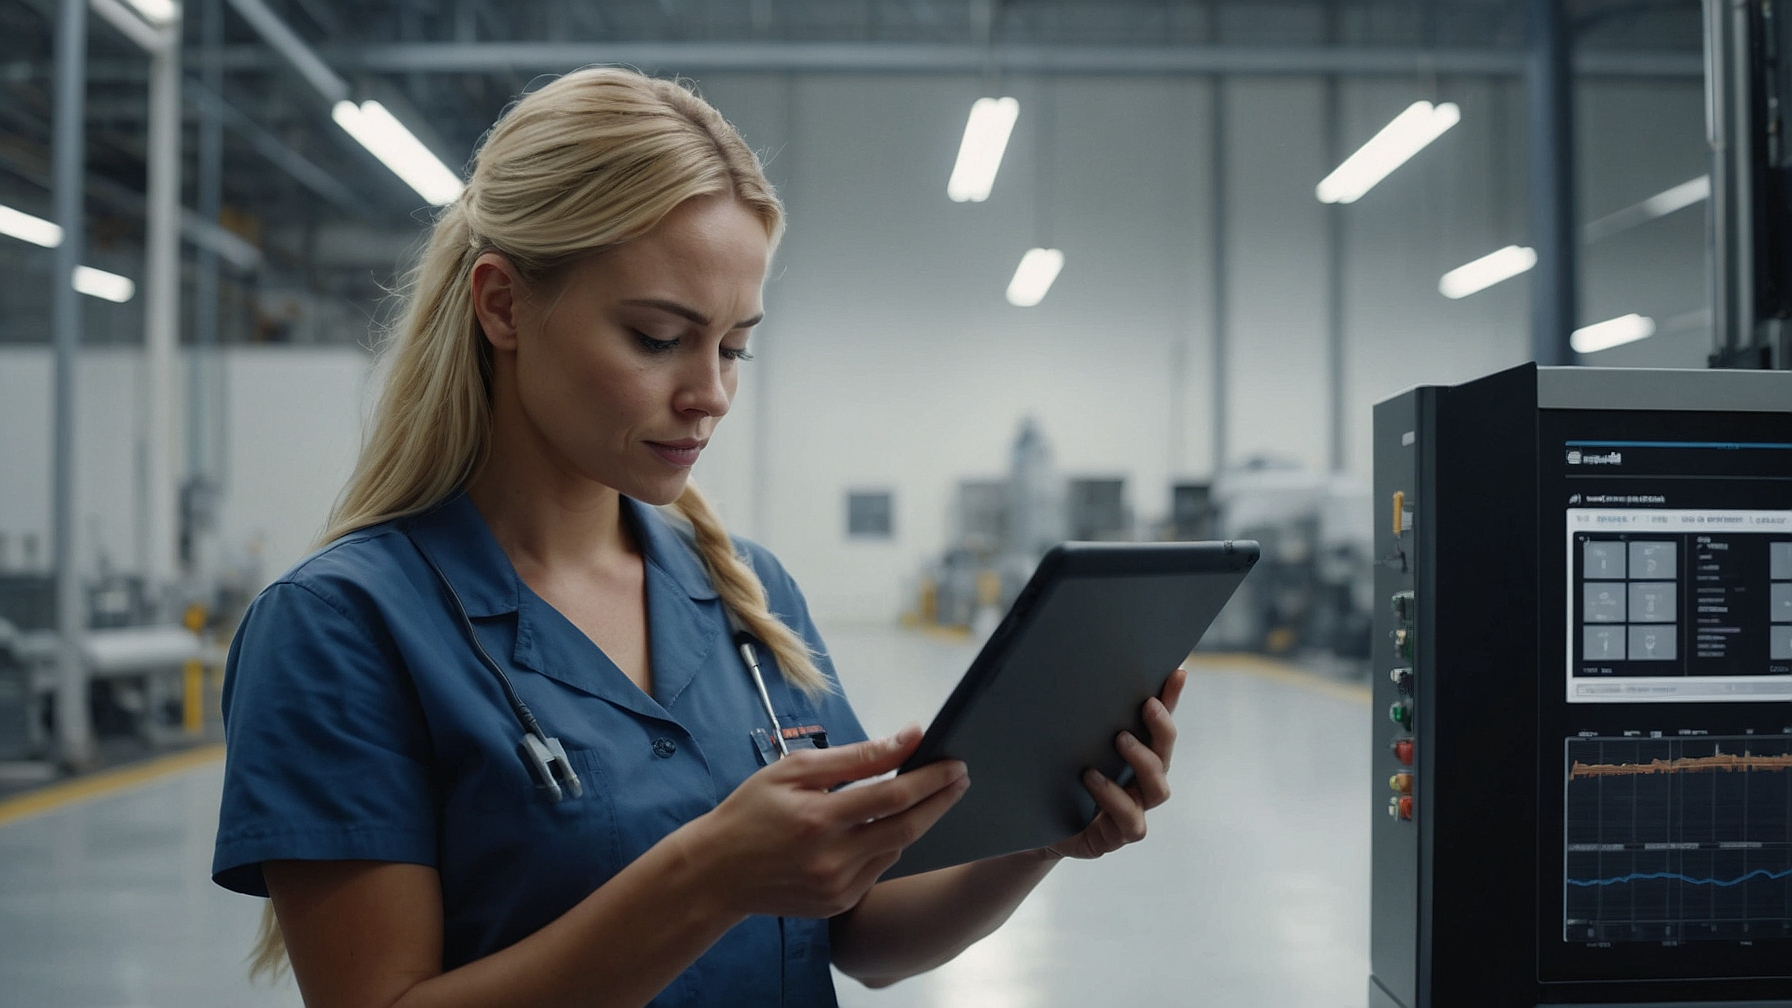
(448, 68)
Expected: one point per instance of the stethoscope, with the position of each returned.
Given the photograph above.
(542, 753)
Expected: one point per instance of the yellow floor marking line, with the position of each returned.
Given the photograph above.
(1269, 668)
(106, 782)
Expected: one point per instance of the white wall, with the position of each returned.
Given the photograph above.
(292, 421)
(889, 358)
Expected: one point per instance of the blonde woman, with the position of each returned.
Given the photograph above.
(493, 744)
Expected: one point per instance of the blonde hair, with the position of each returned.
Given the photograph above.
(588, 162)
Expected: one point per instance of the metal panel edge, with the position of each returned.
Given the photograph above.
(1664, 389)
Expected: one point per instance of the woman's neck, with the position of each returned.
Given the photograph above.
(543, 515)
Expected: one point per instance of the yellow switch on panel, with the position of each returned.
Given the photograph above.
(1399, 510)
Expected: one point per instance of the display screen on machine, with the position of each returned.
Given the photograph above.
(1679, 572)
(1674, 730)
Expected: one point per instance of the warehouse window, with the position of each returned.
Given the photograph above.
(868, 514)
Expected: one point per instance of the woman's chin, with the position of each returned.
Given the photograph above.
(659, 490)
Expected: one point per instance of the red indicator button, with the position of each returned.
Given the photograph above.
(1405, 808)
(1403, 751)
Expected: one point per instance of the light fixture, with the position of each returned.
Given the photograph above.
(1612, 332)
(980, 152)
(1659, 205)
(382, 134)
(21, 225)
(1387, 150)
(1683, 195)
(1034, 276)
(101, 284)
(1486, 271)
(157, 12)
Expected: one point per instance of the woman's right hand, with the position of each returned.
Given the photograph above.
(784, 844)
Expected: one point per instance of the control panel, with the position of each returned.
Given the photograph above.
(1582, 747)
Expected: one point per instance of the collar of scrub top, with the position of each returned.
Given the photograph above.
(455, 536)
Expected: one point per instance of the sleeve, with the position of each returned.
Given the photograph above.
(327, 752)
(788, 604)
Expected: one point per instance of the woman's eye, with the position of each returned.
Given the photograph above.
(651, 345)
(736, 355)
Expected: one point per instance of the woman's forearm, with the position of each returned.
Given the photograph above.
(910, 925)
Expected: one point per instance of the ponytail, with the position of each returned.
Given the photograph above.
(744, 595)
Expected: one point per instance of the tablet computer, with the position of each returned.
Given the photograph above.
(1093, 635)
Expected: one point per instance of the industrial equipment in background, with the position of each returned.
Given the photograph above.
(153, 659)
(1311, 591)
(1582, 751)
(1748, 88)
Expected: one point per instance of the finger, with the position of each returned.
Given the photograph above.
(1162, 731)
(898, 794)
(824, 768)
(1150, 775)
(1171, 694)
(893, 833)
(1127, 816)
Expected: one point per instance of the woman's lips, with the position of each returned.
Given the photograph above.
(682, 454)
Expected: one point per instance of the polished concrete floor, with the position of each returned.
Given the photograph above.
(1251, 891)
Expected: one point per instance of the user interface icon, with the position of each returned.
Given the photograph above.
(1651, 601)
(1604, 561)
(1602, 643)
(1652, 560)
(1652, 643)
(1604, 602)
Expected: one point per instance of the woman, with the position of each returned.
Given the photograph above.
(498, 570)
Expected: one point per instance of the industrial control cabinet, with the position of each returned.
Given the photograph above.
(1583, 691)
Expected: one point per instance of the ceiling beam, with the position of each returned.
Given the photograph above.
(964, 58)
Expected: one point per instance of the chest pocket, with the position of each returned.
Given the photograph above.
(592, 815)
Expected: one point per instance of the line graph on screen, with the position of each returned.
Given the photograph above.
(1677, 839)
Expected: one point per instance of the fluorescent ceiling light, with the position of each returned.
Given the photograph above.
(21, 225)
(1387, 150)
(1034, 276)
(980, 152)
(1659, 205)
(1683, 195)
(157, 12)
(1612, 332)
(101, 284)
(1486, 271)
(377, 130)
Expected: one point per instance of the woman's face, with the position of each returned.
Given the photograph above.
(624, 366)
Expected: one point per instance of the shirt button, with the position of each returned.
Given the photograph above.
(664, 747)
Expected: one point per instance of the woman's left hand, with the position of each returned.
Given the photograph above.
(1121, 819)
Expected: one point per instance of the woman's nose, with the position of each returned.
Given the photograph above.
(704, 390)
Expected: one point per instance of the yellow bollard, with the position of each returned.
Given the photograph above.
(192, 708)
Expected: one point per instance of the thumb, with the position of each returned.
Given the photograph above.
(824, 768)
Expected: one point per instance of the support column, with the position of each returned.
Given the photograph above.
(196, 492)
(1217, 210)
(1334, 281)
(161, 312)
(1555, 307)
(74, 736)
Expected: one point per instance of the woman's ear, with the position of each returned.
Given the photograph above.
(497, 296)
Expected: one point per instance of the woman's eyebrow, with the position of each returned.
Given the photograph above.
(692, 314)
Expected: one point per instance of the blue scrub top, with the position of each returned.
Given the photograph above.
(361, 725)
